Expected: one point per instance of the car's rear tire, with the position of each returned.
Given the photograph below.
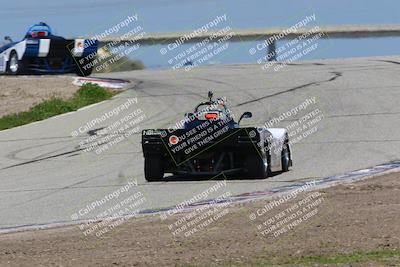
(153, 168)
(14, 65)
(85, 68)
(285, 158)
(84, 73)
(255, 167)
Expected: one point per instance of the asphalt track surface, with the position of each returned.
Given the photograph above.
(46, 177)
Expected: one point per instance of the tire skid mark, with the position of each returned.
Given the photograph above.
(13, 154)
(350, 115)
(389, 61)
(336, 75)
(41, 159)
(350, 141)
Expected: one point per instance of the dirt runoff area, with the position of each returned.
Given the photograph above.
(346, 225)
(22, 92)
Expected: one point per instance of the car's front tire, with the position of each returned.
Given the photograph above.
(14, 65)
(153, 168)
(285, 158)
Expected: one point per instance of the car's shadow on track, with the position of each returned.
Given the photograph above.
(237, 177)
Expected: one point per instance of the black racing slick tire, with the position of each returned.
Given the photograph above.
(255, 167)
(84, 67)
(285, 158)
(153, 168)
(14, 65)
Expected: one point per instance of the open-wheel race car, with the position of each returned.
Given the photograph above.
(210, 142)
(41, 52)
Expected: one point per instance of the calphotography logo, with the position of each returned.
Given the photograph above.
(305, 42)
(120, 41)
(199, 216)
(102, 139)
(211, 41)
(278, 220)
(105, 214)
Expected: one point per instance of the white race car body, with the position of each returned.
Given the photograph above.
(277, 137)
(47, 55)
(19, 48)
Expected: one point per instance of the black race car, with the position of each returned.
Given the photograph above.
(210, 142)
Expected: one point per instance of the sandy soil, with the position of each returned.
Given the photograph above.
(363, 216)
(20, 93)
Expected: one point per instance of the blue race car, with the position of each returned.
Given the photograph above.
(41, 52)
